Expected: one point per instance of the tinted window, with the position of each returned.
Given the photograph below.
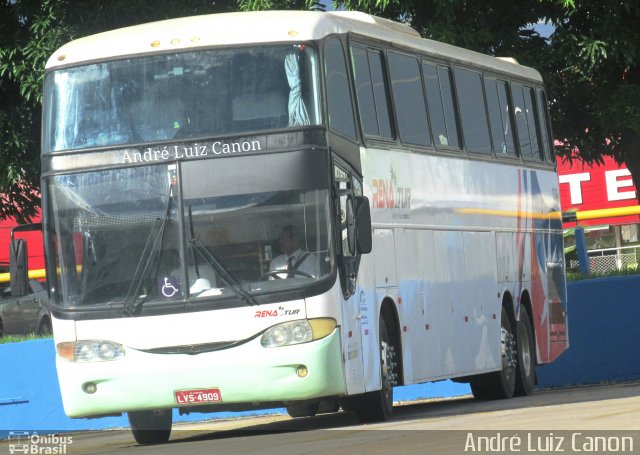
(499, 117)
(545, 126)
(364, 91)
(525, 121)
(371, 92)
(473, 115)
(450, 113)
(338, 96)
(380, 92)
(442, 114)
(532, 122)
(408, 99)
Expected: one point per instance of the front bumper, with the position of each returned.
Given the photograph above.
(247, 373)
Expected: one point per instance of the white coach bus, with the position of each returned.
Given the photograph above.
(298, 209)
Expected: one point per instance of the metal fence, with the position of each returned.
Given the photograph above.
(609, 259)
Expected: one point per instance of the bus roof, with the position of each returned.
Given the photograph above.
(263, 27)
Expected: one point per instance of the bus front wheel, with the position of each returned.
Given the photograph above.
(377, 406)
(151, 427)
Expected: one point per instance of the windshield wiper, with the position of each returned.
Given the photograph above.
(224, 273)
(132, 306)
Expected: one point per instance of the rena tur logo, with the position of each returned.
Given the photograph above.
(281, 311)
(388, 194)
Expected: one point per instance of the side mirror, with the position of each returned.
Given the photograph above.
(351, 227)
(363, 225)
(18, 267)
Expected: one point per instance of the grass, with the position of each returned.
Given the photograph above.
(574, 275)
(18, 338)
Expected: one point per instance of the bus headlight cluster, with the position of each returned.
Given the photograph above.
(90, 351)
(296, 332)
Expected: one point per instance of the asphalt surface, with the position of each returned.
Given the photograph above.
(602, 419)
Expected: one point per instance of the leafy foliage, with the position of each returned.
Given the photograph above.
(590, 63)
(30, 31)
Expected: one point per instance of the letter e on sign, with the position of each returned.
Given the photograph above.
(614, 185)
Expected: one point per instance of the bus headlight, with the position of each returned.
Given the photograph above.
(90, 351)
(296, 332)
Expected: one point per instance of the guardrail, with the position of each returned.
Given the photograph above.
(608, 259)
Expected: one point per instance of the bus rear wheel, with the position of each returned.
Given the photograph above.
(526, 371)
(151, 427)
(499, 384)
(377, 406)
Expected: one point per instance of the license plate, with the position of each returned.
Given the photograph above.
(198, 396)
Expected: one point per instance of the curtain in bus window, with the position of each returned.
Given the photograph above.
(297, 110)
(338, 94)
(408, 98)
(473, 115)
(497, 103)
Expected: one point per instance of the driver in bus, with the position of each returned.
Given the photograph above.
(294, 262)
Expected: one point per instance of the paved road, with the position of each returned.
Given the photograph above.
(567, 421)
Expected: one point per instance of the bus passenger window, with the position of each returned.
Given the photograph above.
(475, 127)
(532, 121)
(371, 92)
(525, 121)
(338, 94)
(545, 137)
(499, 116)
(437, 83)
(408, 99)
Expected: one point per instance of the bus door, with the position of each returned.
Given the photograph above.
(347, 188)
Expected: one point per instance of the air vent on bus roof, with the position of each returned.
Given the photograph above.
(508, 59)
(379, 21)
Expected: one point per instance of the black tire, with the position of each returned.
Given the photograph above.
(500, 384)
(526, 370)
(151, 427)
(377, 406)
(44, 328)
(303, 409)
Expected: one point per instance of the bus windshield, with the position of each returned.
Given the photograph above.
(166, 233)
(182, 95)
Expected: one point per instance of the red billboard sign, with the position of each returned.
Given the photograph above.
(593, 187)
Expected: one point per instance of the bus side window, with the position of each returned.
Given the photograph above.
(499, 116)
(437, 84)
(339, 104)
(532, 121)
(545, 126)
(408, 99)
(527, 122)
(475, 127)
(371, 92)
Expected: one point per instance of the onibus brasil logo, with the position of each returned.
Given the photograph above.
(34, 443)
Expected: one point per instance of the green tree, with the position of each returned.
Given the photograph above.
(594, 79)
(30, 31)
(590, 62)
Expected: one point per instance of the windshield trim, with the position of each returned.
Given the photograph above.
(260, 294)
(50, 72)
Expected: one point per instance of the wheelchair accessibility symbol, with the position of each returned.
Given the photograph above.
(170, 286)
